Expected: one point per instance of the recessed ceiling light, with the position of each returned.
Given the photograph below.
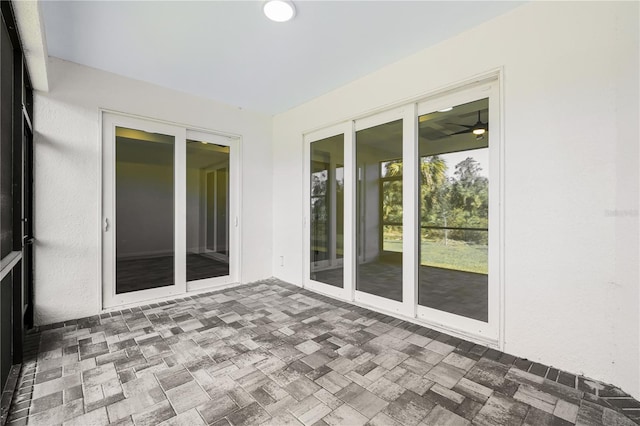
(479, 131)
(279, 10)
(445, 109)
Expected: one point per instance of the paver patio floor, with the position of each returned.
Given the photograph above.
(271, 353)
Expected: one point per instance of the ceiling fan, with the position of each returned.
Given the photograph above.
(478, 129)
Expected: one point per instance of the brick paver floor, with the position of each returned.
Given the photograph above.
(271, 353)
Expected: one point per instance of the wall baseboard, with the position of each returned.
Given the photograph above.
(145, 255)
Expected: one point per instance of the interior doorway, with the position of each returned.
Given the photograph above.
(165, 187)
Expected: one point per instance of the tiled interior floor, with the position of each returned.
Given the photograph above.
(271, 353)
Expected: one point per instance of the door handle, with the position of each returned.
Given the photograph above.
(106, 224)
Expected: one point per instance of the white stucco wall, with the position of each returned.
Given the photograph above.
(67, 174)
(571, 174)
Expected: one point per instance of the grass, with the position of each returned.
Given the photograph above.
(455, 254)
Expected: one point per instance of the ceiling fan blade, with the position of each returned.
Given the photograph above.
(462, 125)
(462, 132)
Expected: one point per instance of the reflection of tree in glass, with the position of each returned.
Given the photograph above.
(448, 200)
(392, 191)
(319, 183)
(392, 168)
(433, 177)
(319, 237)
(318, 195)
(469, 199)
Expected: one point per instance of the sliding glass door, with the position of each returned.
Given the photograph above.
(157, 205)
(379, 210)
(403, 211)
(211, 217)
(328, 193)
(458, 162)
(382, 233)
(141, 219)
(454, 210)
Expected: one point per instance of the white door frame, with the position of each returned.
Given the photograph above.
(109, 121)
(233, 213)
(485, 331)
(406, 113)
(488, 333)
(109, 226)
(346, 291)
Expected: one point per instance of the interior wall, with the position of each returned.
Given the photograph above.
(570, 175)
(67, 178)
(195, 191)
(152, 236)
(369, 217)
(145, 223)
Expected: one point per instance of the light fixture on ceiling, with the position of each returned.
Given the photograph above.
(479, 129)
(279, 10)
(445, 109)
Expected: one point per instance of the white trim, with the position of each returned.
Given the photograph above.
(437, 92)
(501, 210)
(349, 246)
(146, 254)
(108, 119)
(387, 305)
(406, 113)
(486, 85)
(446, 320)
(180, 215)
(109, 296)
(30, 22)
(169, 298)
(234, 211)
(344, 291)
(381, 118)
(329, 290)
(491, 329)
(236, 158)
(410, 210)
(209, 283)
(100, 218)
(190, 127)
(8, 262)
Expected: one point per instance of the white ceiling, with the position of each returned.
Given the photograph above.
(228, 51)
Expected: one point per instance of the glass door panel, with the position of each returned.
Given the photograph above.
(144, 198)
(208, 167)
(327, 211)
(454, 210)
(170, 201)
(379, 224)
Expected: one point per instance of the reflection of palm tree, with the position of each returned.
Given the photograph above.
(394, 168)
(392, 201)
(433, 171)
(433, 176)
